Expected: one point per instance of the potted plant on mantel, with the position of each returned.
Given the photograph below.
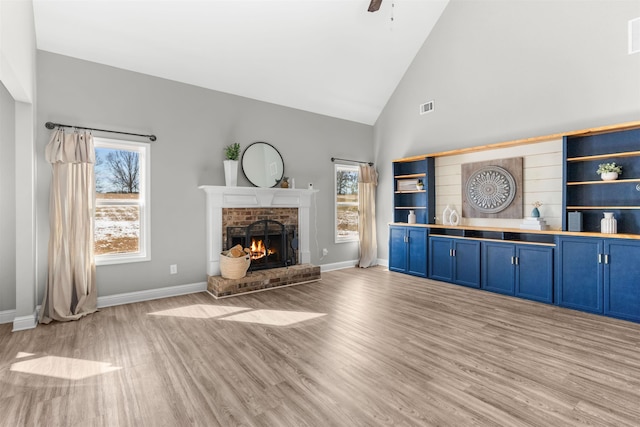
(232, 152)
(609, 171)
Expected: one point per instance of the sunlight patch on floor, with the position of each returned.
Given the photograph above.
(273, 317)
(200, 311)
(63, 367)
(22, 354)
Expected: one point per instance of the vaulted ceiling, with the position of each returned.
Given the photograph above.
(329, 57)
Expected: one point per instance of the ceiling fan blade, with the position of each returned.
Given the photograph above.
(374, 5)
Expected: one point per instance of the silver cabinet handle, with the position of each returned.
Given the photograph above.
(606, 259)
(599, 258)
(512, 261)
(517, 261)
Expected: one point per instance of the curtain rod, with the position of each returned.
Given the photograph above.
(333, 159)
(51, 125)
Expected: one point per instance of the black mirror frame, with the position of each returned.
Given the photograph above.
(243, 167)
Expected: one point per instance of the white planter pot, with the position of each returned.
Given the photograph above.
(231, 173)
(609, 176)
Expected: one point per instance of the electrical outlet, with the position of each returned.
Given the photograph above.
(173, 269)
(325, 251)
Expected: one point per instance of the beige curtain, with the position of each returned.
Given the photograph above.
(71, 285)
(367, 182)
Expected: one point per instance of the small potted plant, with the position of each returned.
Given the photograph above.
(609, 171)
(284, 183)
(232, 153)
(420, 185)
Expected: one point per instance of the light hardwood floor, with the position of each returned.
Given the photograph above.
(363, 348)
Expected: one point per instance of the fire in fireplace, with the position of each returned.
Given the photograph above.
(272, 244)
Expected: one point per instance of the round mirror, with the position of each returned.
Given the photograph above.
(262, 164)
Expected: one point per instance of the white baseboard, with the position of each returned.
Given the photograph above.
(139, 296)
(7, 316)
(22, 323)
(383, 262)
(338, 265)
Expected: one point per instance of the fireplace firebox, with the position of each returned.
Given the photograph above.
(272, 244)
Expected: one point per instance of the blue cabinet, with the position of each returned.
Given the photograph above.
(455, 260)
(580, 273)
(522, 270)
(408, 250)
(600, 275)
(622, 279)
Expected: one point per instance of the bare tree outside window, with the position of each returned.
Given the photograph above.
(124, 168)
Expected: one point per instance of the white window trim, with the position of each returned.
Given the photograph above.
(144, 201)
(337, 239)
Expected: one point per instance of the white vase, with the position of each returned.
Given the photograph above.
(608, 224)
(412, 217)
(609, 176)
(446, 214)
(454, 218)
(231, 173)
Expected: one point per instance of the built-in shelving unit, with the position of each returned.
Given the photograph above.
(585, 192)
(407, 197)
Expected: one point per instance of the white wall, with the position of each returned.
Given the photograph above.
(7, 206)
(193, 125)
(503, 70)
(17, 74)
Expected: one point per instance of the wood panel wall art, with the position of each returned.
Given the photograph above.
(492, 189)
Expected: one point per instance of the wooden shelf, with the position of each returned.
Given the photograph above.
(617, 181)
(604, 156)
(413, 175)
(525, 141)
(409, 191)
(613, 208)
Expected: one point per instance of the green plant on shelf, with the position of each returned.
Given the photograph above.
(232, 151)
(609, 167)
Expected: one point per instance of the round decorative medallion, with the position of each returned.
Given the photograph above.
(490, 189)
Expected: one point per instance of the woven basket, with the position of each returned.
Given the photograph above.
(234, 268)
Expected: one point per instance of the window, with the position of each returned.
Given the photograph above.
(121, 219)
(346, 191)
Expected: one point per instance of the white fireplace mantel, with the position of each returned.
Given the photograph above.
(219, 197)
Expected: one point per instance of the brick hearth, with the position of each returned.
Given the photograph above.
(263, 279)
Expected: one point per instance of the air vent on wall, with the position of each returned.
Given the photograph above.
(427, 107)
(634, 36)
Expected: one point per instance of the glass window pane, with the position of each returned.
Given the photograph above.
(346, 188)
(117, 229)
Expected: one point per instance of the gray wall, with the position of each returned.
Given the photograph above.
(7, 206)
(193, 125)
(504, 70)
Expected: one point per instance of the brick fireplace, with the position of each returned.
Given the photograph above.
(270, 234)
(226, 206)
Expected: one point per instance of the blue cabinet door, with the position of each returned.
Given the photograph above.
(580, 274)
(417, 251)
(440, 259)
(622, 279)
(466, 263)
(397, 249)
(534, 273)
(498, 268)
